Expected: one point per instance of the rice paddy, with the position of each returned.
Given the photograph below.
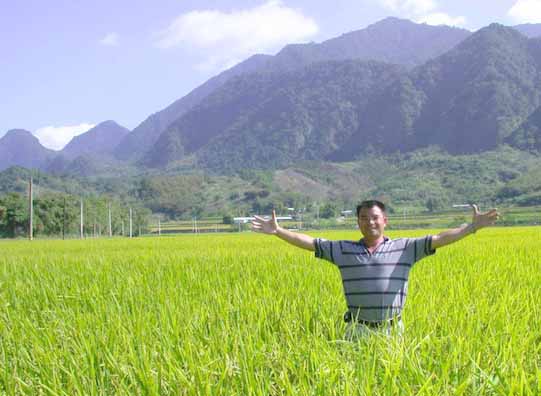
(248, 314)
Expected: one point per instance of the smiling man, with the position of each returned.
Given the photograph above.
(374, 270)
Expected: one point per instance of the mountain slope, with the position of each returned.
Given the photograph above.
(273, 119)
(391, 40)
(20, 148)
(102, 139)
(467, 100)
(528, 135)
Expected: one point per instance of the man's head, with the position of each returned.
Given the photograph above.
(372, 219)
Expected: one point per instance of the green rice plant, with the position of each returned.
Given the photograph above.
(246, 314)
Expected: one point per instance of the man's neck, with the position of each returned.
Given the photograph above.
(373, 243)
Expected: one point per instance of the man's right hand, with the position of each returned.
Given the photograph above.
(266, 226)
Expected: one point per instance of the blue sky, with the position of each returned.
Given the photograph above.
(68, 65)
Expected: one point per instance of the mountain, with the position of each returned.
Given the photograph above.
(100, 140)
(528, 135)
(479, 92)
(21, 148)
(466, 100)
(391, 40)
(529, 29)
(274, 119)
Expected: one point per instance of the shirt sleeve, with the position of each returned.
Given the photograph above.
(422, 247)
(324, 249)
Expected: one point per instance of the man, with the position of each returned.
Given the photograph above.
(375, 269)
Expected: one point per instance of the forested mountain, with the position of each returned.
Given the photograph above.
(273, 119)
(20, 147)
(528, 135)
(100, 140)
(391, 40)
(466, 100)
(337, 100)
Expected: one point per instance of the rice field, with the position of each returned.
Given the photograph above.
(246, 314)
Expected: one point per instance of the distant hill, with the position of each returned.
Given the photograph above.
(100, 140)
(390, 40)
(20, 148)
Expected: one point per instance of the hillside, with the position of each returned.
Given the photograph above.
(426, 179)
(274, 119)
(20, 148)
(390, 40)
(100, 140)
(465, 101)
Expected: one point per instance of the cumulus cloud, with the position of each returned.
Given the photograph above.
(422, 11)
(237, 34)
(526, 11)
(111, 39)
(57, 137)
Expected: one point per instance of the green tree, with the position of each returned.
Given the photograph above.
(328, 210)
(16, 215)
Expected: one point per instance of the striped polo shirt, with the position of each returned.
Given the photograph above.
(375, 284)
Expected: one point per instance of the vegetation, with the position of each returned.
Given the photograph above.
(471, 99)
(423, 181)
(250, 315)
(57, 214)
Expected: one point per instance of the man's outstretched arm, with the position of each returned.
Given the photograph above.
(271, 227)
(480, 220)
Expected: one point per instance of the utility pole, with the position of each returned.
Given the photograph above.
(110, 223)
(159, 228)
(131, 224)
(31, 211)
(82, 233)
(64, 219)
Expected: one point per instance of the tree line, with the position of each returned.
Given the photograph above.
(58, 214)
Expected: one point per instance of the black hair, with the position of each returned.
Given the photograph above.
(370, 204)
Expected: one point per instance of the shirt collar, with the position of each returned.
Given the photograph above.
(385, 239)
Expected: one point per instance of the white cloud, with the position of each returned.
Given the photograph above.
(239, 33)
(111, 39)
(57, 137)
(526, 11)
(422, 11)
(440, 18)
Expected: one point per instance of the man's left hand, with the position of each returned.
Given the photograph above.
(481, 220)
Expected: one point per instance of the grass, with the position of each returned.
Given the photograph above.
(247, 314)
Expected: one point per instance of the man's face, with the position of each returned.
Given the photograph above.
(372, 222)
